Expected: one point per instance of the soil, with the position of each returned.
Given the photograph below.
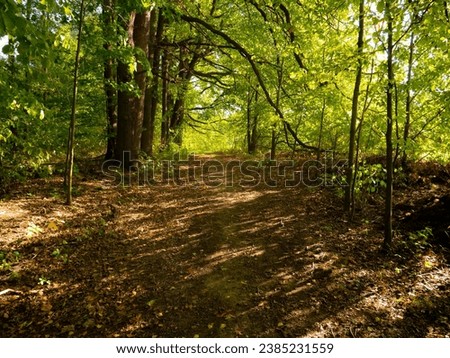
(199, 259)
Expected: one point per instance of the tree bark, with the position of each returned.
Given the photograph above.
(109, 77)
(389, 126)
(71, 140)
(252, 122)
(322, 120)
(125, 125)
(130, 106)
(151, 94)
(354, 117)
(408, 103)
(165, 98)
(141, 40)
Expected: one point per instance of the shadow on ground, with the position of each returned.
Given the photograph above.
(195, 260)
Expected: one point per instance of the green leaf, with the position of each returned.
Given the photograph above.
(9, 23)
(7, 49)
(380, 6)
(67, 11)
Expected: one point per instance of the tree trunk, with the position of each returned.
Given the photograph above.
(273, 145)
(351, 151)
(177, 111)
(131, 107)
(389, 126)
(176, 120)
(252, 122)
(151, 94)
(408, 103)
(125, 125)
(322, 120)
(109, 77)
(70, 143)
(165, 98)
(141, 40)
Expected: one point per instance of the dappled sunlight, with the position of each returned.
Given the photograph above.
(227, 262)
(222, 256)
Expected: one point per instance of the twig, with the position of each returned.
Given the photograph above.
(11, 291)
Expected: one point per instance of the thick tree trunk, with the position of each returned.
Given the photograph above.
(131, 107)
(141, 40)
(125, 123)
(177, 110)
(151, 94)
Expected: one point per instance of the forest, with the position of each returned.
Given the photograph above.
(217, 168)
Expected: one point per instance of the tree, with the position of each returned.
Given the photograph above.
(70, 142)
(151, 94)
(132, 87)
(389, 128)
(109, 76)
(252, 120)
(349, 189)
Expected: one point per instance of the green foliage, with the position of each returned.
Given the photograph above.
(36, 67)
(419, 240)
(44, 281)
(172, 152)
(7, 259)
(59, 254)
(370, 179)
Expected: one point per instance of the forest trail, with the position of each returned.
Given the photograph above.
(209, 261)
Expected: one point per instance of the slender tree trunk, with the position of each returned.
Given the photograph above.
(275, 105)
(447, 15)
(389, 127)
(176, 120)
(322, 119)
(109, 78)
(70, 142)
(254, 129)
(351, 151)
(273, 146)
(358, 139)
(408, 102)
(252, 122)
(165, 98)
(249, 119)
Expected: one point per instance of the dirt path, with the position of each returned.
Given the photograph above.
(195, 260)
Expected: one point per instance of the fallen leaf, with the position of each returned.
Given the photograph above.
(52, 226)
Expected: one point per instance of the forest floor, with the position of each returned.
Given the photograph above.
(193, 259)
